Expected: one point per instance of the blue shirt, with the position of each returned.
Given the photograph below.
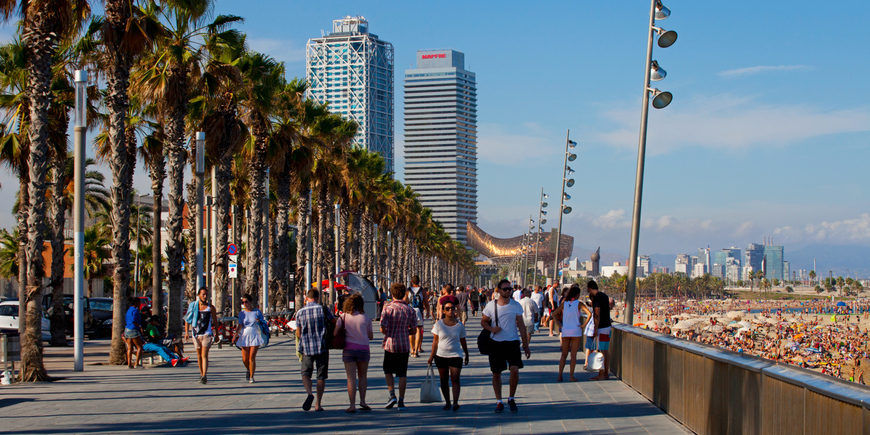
(312, 323)
(134, 318)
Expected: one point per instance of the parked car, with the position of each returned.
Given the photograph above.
(9, 320)
(89, 324)
(101, 310)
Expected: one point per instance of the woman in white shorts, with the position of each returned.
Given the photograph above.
(572, 328)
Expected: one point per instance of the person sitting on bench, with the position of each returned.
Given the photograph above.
(157, 344)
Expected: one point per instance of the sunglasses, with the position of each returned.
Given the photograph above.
(448, 308)
(245, 301)
(504, 289)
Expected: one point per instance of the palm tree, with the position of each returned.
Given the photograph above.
(165, 78)
(263, 79)
(95, 254)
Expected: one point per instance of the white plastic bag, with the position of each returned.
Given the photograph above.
(596, 359)
(429, 391)
(6, 378)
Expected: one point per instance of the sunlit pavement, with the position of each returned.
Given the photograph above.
(162, 399)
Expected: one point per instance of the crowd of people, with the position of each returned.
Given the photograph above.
(822, 335)
(509, 316)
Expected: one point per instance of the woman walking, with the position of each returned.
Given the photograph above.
(448, 337)
(249, 336)
(572, 328)
(356, 354)
(133, 332)
(201, 318)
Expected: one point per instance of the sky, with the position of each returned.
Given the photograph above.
(767, 134)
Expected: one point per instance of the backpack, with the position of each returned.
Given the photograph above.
(417, 299)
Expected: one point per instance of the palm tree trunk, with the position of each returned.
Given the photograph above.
(23, 208)
(223, 175)
(175, 158)
(343, 228)
(192, 210)
(272, 240)
(281, 266)
(157, 172)
(355, 262)
(58, 210)
(302, 211)
(41, 35)
(257, 180)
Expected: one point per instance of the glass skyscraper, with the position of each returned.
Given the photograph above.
(773, 262)
(352, 70)
(441, 138)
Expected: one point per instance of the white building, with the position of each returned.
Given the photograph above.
(352, 70)
(683, 264)
(699, 270)
(441, 138)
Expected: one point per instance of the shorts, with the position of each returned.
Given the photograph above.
(474, 305)
(443, 363)
(131, 333)
(590, 343)
(203, 341)
(396, 363)
(463, 316)
(604, 338)
(320, 360)
(505, 354)
(530, 329)
(356, 355)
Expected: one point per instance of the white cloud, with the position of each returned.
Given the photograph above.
(844, 231)
(761, 69)
(282, 50)
(743, 230)
(610, 220)
(728, 122)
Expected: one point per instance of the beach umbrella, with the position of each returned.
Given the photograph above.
(734, 314)
(841, 304)
(745, 324)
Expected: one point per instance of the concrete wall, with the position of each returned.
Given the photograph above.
(713, 391)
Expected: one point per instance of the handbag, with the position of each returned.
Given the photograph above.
(596, 359)
(429, 391)
(339, 340)
(484, 340)
(329, 334)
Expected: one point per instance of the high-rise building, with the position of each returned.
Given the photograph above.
(441, 138)
(754, 256)
(683, 264)
(352, 70)
(773, 262)
(643, 264)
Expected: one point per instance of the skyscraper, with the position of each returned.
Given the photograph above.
(773, 262)
(754, 255)
(352, 70)
(441, 138)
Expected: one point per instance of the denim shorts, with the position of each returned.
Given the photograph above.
(131, 333)
(356, 355)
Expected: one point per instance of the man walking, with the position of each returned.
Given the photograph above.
(475, 300)
(507, 328)
(462, 305)
(538, 297)
(311, 324)
(417, 297)
(398, 321)
(601, 317)
(530, 313)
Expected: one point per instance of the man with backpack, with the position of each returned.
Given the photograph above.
(416, 298)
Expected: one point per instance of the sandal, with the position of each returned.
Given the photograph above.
(365, 408)
(350, 411)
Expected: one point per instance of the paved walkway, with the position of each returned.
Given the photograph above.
(109, 399)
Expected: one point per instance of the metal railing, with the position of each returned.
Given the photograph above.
(715, 391)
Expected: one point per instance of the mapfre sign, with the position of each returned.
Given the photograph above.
(435, 56)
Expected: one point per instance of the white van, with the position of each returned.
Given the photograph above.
(9, 320)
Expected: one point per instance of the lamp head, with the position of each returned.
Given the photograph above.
(661, 99)
(572, 144)
(661, 11)
(543, 221)
(546, 196)
(572, 157)
(667, 38)
(566, 210)
(567, 197)
(544, 204)
(570, 182)
(656, 72)
(544, 212)
(570, 171)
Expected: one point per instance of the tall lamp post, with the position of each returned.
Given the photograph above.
(538, 238)
(527, 248)
(660, 100)
(81, 121)
(564, 209)
(200, 182)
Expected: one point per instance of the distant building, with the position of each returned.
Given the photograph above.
(643, 263)
(754, 256)
(785, 270)
(699, 271)
(773, 262)
(352, 70)
(718, 270)
(683, 264)
(732, 270)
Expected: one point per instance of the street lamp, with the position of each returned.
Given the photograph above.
(80, 128)
(538, 238)
(563, 209)
(660, 100)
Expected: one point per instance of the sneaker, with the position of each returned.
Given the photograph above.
(251, 381)
(402, 406)
(184, 360)
(447, 407)
(247, 375)
(205, 380)
(513, 405)
(174, 362)
(499, 407)
(392, 402)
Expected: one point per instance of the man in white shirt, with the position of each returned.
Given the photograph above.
(538, 297)
(518, 293)
(507, 328)
(530, 313)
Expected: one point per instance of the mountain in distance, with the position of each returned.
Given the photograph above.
(842, 260)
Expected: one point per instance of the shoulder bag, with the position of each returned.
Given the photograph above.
(329, 334)
(339, 340)
(484, 340)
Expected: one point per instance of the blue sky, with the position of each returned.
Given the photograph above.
(768, 133)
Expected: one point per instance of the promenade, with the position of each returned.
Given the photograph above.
(162, 399)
